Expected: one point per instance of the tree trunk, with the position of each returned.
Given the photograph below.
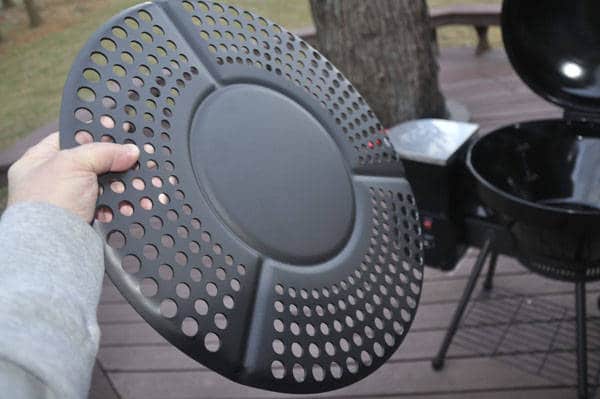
(8, 3)
(34, 15)
(384, 47)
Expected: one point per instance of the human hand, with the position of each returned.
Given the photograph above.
(68, 178)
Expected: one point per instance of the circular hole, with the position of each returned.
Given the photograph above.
(131, 264)
(189, 327)
(165, 272)
(150, 252)
(119, 32)
(318, 373)
(220, 321)
(107, 122)
(168, 308)
(91, 75)
(117, 186)
(212, 342)
(116, 239)
(158, 30)
(149, 287)
(147, 37)
(136, 231)
(228, 302)
(167, 241)
(277, 370)
(99, 59)
(336, 370)
(132, 23)
(145, 16)
(126, 208)
(378, 349)
(201, 307)
(194, 247)
(278, 347)
(329, 349)
(183, 232)
(83, 137)
(113, 86)
(181, 258)
(295, 328)
(138, 184)
(211, 289)
(313, 350)
(187, 6)
(127, 58)
(279, 306)
(183, 290)
(164, 199)
(207, 261)
(104, 214)
(136, 46)
(84, 115)
(156, 223)
(195, 223)
(172, 215)
(366, 358)
(297, 350)
(107, 139)
(86, 94)
(221, 274)
(278, 325)
(235, 285)
(299, 373)
(128, 127)
(352, 365)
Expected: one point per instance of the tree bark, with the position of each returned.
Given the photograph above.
(34, 15)
(384, 47)
(8, 3)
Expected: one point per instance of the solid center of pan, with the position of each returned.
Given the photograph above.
(273, 173)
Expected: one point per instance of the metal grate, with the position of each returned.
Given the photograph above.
(530, 333)
(268, 230)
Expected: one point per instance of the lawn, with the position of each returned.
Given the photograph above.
(34, 63)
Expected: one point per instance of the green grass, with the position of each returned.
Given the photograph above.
(3, 198)
(456, 36)
(34, 63)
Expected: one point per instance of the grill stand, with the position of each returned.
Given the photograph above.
(438, 361)
(582, 382)
(489, 249)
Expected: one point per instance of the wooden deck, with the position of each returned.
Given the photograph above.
(517, 342)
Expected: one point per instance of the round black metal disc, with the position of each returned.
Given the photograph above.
(268, 230)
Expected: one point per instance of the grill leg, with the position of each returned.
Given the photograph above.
(489, 279)
(438, 362)
(582, 385)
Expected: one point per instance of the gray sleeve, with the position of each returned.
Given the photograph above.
(51, 270)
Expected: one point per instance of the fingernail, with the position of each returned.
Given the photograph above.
(132, 149)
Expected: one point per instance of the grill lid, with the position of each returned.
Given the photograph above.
(554, 46)
(268, 230)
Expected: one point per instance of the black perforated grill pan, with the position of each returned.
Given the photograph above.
(268, 230)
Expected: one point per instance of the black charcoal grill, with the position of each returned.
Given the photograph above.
(532, 189)
(268, 230)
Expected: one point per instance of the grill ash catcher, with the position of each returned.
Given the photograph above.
(268, 230)
(529, 190)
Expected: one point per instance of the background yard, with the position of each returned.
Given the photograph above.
(34, 62)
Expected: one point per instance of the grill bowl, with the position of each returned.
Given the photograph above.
(543, 178)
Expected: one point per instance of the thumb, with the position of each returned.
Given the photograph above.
(101, 158)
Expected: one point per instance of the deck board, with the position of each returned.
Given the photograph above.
(500, 351)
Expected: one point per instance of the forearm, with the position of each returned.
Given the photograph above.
(51, 271)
